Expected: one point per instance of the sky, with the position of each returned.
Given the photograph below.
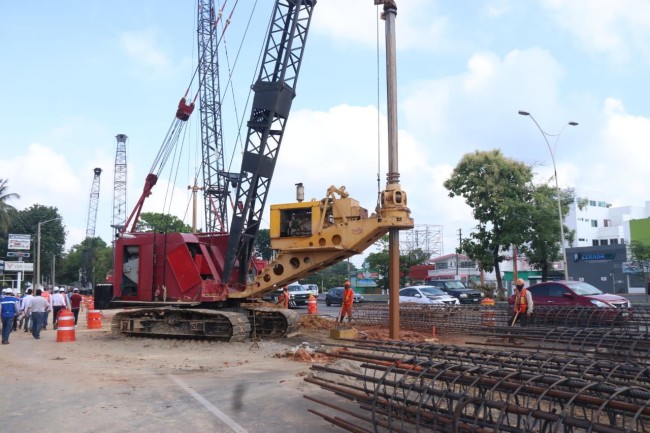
(76, 73)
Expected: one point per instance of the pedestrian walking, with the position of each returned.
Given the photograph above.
(523, 305)
(347, 302)
(25, 301)
(8, 311)
(48, 297)
(37, 308)
(75, 304)
(58, 304)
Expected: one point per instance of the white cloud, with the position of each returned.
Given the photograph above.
(619, 28)
(142, 47)
(417, 20)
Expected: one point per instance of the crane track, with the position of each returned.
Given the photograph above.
(219, 325)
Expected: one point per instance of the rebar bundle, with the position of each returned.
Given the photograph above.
(580, 367)
(404, 388)
(462, 318)
(619, 344)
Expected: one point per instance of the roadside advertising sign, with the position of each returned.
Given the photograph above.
(19, 267)
(19, 242)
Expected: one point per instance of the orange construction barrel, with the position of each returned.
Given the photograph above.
(65, 328)
(312, 307)
(488, 312)
(94, 319)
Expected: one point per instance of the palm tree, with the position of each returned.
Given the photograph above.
(4, 206)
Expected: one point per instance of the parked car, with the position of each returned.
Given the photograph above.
(459, 290)
(573, 293)
(426, 295)
(335, 296)
(298, 295)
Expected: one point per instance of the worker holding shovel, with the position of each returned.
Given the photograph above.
(523, 306)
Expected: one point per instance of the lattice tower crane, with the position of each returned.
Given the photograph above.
(88, 253)
(215, 181)
(119, 183)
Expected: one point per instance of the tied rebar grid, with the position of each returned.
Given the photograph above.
(617, 344)
(580, 367)
(393, 392)
(460, 319)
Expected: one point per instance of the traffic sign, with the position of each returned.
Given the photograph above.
(18, 254)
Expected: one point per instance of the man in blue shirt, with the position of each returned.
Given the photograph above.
(8, 312)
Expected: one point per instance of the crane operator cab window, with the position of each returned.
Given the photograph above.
(295, 223)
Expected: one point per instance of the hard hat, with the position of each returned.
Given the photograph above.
(75, 290)
(520, 282)
(7, 290)
(56, 289)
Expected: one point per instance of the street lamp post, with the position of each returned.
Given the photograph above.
(557, 186)
(38, 252)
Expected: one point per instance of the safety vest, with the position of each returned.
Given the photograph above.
(521, 305)
(348, 297)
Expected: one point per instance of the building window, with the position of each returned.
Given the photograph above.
(594, 242)
(602, 204)
(442, 266)
(607, 223)
(594, 223)
(582, 239)
(622, 241)
(592, 203)
(613, 241)
(603, 242)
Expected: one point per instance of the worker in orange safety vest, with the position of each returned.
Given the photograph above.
(523, 305)
(283, 299)
(347, 302)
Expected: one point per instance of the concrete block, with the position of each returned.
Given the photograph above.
(343, 333)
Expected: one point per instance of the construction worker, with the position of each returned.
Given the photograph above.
(523, 305)
(347, 301)
(284, 297)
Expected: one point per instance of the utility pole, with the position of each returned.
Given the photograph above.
(460, 243)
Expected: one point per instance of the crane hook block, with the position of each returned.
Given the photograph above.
(184, 110)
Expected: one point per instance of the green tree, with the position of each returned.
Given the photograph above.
(5, 208)
(496, 188)
(263, 244)
(160, 222)
(53, 235)
(544, 246)
(100, 262)
(379, 261)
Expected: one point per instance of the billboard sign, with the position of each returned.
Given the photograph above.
(18, 253)
(19, 242)
(19, 267)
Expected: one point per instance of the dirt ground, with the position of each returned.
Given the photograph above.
(107, 383)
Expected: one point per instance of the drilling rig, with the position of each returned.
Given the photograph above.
(200, 284)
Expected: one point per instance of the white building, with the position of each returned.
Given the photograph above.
(596, 222)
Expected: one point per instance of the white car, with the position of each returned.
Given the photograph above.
(426, 295)
(312, 288)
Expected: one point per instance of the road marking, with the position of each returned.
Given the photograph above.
(209, 406)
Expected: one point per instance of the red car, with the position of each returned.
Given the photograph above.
(573, 293)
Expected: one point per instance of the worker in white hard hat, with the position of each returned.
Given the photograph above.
(58, 304)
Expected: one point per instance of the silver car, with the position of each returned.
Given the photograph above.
(426, 295)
